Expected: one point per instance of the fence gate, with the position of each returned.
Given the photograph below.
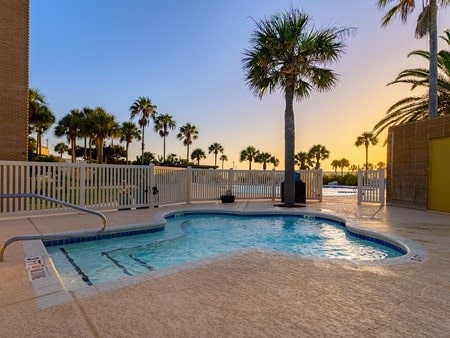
(371, 187)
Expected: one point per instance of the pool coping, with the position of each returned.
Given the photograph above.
(50, 290)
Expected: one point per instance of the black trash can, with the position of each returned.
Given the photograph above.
(300, 189)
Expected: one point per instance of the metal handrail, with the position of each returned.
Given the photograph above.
(55, 236)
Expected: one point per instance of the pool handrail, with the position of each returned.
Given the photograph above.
(54, 236)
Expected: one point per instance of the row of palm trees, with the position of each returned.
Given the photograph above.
(251, 154)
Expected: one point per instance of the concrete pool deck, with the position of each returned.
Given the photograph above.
(251, 294)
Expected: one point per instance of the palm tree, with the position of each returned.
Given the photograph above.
(215, 148)
(286, 54)
(163, 123)
(42, 120)
(335, 164)
(274, 161)
(248, 154)
(85, 131)
(319, 153)
(146, 110)
(223, 158)
(129, 133)
(416, 108)
(102, 124)
(115, 132)
(61, 148)
(381, 165)
(426, 24)
(187, 134)
(35, 100)
(343, 163)
(263, 158)
(366, 139)
(70, 126)
(198, 154)
(303, 160)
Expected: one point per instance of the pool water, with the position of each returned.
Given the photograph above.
(192, 237)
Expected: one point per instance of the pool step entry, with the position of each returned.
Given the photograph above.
(57, 236)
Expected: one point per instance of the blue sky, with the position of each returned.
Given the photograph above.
(186, 56)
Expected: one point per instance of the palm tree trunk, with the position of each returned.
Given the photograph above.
(289, 145)
(164, 148)
(142, 146)
(39, 137)
(73, 143)
(99, 150)
(367, 157)
(126, 151)
(85, 148)
(433, 88)
(187, 154)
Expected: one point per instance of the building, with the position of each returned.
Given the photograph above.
(14, 52)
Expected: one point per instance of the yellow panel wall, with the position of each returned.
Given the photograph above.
(439, 193)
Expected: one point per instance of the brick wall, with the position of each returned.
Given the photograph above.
(14, 26)
(408, 157)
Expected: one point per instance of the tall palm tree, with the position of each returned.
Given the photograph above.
(188, 133)
(416, 108)
(248, 154)
(263, 158)
(335, 164)
(215, 148)
(303, 160)
(163, 123)
(366, 139)
(61, 148)
(198, 154)
(426, 24)
(145, 110)
(223, 158)
(287, 54)
(344, 163)
(129, 132)
(42, 120)
(319, 153)
(69, 126)
(35, 100)
(102, 123)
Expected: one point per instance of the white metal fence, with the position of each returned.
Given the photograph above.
(371, 186)
(101, 186)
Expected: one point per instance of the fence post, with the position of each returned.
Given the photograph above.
(82, 181)
(320, 184)
(382, 186)
(273, 184)
(360, 186)
(152, 195)
(230, 180)
(188, 184)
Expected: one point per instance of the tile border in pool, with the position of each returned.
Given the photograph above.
(50, 291)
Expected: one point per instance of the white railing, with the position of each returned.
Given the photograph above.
(371, 186)
(101, 186)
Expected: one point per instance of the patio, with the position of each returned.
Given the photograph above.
(252, 294)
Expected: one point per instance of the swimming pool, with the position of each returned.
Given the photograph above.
(192, 236)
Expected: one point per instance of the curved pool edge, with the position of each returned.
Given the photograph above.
(413, 251)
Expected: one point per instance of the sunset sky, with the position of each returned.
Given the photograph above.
(186, 56)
